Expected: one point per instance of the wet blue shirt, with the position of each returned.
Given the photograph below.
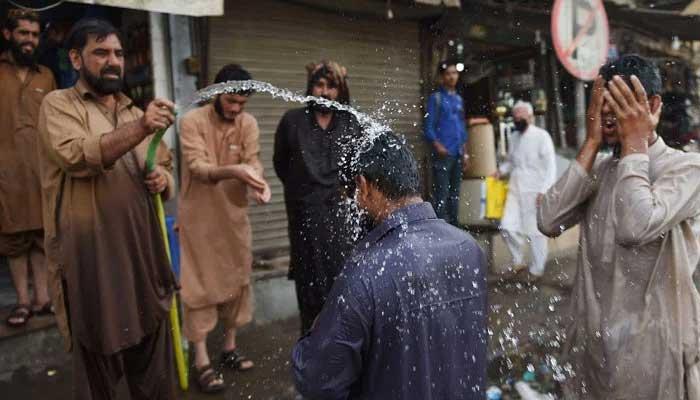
(444, 122)
(406, 318)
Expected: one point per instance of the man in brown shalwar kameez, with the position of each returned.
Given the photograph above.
(106, 253)
(220, 166)
(24, 84)
(636, 330)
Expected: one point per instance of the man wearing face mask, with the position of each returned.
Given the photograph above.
(531, 165)
(24, 84)
(221, 169)
(634, 331)
(406, 318)
(110, 272)
(308, 152)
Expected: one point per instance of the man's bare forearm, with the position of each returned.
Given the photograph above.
(121, 140)
(221, 173)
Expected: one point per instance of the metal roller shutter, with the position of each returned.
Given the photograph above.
(275, 40)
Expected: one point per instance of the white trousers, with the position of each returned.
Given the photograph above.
(538, 246)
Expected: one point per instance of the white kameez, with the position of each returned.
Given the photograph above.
(532, 167)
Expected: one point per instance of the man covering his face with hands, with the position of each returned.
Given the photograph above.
(635, 333)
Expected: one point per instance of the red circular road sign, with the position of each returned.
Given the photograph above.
(580, 35)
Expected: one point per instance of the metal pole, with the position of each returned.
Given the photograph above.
(558, 114)
(580, 93)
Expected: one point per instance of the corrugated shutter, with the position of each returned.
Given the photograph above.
(275, 40)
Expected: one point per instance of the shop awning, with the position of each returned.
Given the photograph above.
(664, 24)
(447, 3)
(692, 8)
(194, 8)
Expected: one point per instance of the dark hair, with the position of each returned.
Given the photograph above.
(16, 14)
(78, 35)
(632, 64)
(390, 166)
(234, 72)
(444, 64)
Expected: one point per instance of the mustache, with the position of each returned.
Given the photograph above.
(111, 70)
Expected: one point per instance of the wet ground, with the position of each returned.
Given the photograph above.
(525, 322)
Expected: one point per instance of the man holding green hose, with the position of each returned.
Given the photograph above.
(103, 241)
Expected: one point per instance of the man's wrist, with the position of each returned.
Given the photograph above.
(632, 145)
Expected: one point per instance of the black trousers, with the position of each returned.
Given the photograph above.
(311, 296)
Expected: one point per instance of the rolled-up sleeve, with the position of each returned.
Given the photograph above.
(643, 210)
(562, 205)
(194, 149)
(67, 140)
(329, 359)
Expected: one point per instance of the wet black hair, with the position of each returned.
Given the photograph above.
(632, 64)
(234, 72)
(390, 166)
(444, 64)
(78, 36)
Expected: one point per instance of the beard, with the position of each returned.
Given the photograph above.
(219, 110)
(320, 108)
(102, 86)
(21, 57)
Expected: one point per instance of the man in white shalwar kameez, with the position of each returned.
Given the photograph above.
(634, 331)
(532, 169)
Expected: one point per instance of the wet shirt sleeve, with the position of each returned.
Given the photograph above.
(67, 139)
(431, 120)
(329, 359)
(282, 151)
(643, 210)
(562, 206)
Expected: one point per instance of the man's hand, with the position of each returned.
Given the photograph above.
(159, 114)
(594, 126)
(440, 149)
(594, 120)
(262, 196)
(248, 175)
(538, 200)
(636, 123)
(156, 181)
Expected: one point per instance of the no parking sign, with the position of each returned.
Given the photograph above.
(580, 35)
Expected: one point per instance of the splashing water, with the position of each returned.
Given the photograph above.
(508, 346)
(372, 128)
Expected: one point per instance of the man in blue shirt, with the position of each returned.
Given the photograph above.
(406, 319)
(445, 130)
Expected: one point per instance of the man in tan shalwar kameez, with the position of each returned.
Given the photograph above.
(636, 330)
(220, 165)
(24, 84)
(109, 268)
